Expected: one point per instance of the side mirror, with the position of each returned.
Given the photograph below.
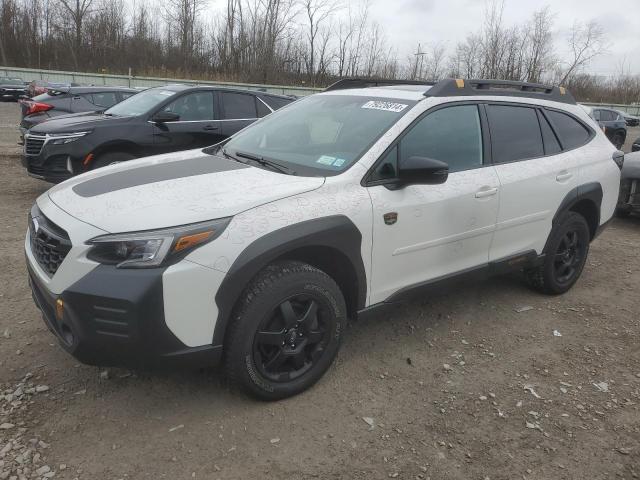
(422, 171)
(164, 117)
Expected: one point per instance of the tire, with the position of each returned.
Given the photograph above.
(111, 158)
(566, 254)
(620, 213)
(279, 343)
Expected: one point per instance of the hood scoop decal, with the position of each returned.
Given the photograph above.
(160, 172)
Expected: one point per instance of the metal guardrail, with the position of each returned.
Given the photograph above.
(29, 74)
(58, 76)
(630, 109)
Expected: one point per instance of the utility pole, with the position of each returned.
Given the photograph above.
(419, 62)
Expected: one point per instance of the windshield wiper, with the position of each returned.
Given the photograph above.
(226, 154)
(266, 163)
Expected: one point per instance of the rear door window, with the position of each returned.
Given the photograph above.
(607, 116)
(515, 133)
(104, 99)
(572, 134)
(238, 106)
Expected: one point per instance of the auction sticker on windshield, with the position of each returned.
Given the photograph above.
(386, 106)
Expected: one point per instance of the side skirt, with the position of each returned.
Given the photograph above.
(442, 284)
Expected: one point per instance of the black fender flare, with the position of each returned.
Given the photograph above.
(591, 192)
(337, 232)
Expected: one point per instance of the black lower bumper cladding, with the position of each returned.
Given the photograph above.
(111, 318)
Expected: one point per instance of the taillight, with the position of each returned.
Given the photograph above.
(35, 107)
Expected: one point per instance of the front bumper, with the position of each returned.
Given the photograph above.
(52, 163)
(111, 318)
(13, 94)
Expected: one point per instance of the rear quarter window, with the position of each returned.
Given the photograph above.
(571, 132)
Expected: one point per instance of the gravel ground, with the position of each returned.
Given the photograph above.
(489, 381)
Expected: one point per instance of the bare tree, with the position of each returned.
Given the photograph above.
(182, 17)
(77, 10)
(316, 13)
(586, 41)
(539, 45)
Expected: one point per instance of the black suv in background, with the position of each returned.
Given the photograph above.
(63, 101)
(12, 88)
(613, 123)
(157, 120)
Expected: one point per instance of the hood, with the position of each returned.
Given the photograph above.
(170, 190)
(76, 123)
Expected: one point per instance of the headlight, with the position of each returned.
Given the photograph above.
(64, 138)
(152, 248)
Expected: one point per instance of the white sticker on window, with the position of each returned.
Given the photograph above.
(386, 106)
(338, 162)
(326, 160)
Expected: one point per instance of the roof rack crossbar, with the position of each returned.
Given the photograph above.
(451, 87)
(347, 83)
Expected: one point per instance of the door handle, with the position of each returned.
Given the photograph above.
(486, 192)
(564, 175)
(210, 128)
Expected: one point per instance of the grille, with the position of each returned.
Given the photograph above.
(33, 145)
(49, 243)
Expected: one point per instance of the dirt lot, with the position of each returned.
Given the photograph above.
(471, 385)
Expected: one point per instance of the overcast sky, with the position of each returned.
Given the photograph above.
(407, 22)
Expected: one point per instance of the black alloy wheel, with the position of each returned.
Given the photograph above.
(564, 255)
(568, 257)
(286, 330)
(291, 339)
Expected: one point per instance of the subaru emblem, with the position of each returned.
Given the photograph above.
(390, 218)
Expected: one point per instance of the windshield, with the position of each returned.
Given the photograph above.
(321, 134)
(140, 102)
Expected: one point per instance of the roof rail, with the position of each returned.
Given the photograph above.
(457, 87)
(347, 83)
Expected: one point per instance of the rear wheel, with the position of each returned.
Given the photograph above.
(286, 331)
(111, 158)
(565, 256)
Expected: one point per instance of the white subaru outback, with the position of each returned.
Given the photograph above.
(254, 252)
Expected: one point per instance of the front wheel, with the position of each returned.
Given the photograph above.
(565, 256)
(286, 331)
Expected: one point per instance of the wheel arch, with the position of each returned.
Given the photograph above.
(586, 200)
(331, 244)
(117, 146)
